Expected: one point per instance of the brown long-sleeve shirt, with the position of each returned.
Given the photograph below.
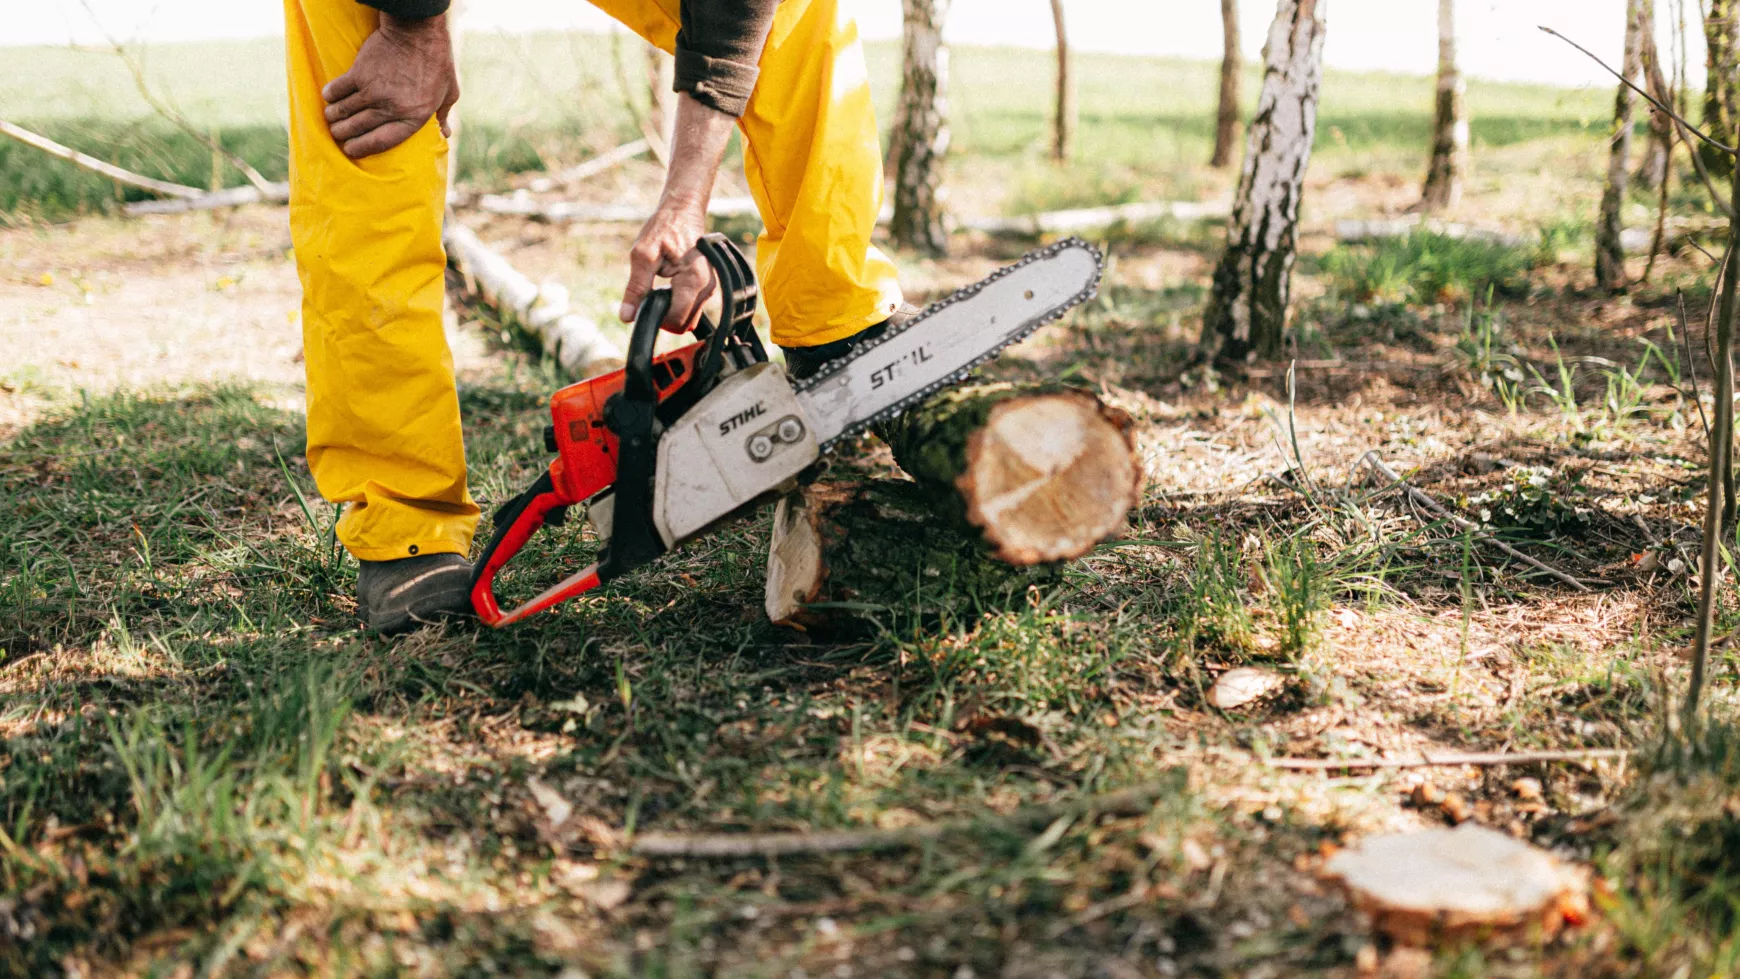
(718, 45)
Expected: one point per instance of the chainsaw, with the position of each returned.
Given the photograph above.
(672, 445)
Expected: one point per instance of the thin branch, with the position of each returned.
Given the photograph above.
(1691, 362)
(168, 112)
(1679, 121)
(1449, 759)
(1373, 460)
(109, 170)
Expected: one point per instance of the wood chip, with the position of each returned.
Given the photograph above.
(1236, 688)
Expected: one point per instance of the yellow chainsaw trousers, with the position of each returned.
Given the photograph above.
(383, 411)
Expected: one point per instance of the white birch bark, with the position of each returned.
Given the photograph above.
(1450, 127)
(1247, 310)
(921, 128)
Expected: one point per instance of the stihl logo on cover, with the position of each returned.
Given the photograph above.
(729, 425)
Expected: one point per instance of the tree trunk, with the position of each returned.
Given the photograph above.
(1247, 310)
(921, 129)
(1003, 476)
(1652, 170)
(1722, 61)
(1450, 129)
(661, 80)
(1064, 113)
(1609, 251)
(1232, 63)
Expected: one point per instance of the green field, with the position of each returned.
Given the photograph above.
(1145, 122)
(208, 770)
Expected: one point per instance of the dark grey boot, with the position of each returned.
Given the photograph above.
(803, 362)
(398, 596)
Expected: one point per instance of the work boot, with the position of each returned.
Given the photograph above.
(804, 362)
(398, 596)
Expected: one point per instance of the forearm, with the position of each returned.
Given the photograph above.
(702, 134)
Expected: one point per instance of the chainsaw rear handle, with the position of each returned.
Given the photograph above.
(632, 415)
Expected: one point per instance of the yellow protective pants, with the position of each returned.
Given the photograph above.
(383, 412)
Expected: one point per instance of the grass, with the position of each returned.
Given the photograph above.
(206, 769)
(548, 99)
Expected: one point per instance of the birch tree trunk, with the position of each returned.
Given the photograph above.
(1064, 114)
(1609, 251)
(1652, 170)
(1722, 61)
(921, 129)
(1450, 128)
(1247, 310)
(1226, 126)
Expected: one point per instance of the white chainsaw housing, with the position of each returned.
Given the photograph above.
(748, 436)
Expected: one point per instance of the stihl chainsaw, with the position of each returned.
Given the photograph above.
(669, 446)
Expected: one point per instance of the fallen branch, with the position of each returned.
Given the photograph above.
(1382, 229)
(1135, 801)
(115, 173)
(521, 204)
(1094, 218)
(232, 197)
(1373, 460)
(1450, 760)
(591, 168)
(570, 337)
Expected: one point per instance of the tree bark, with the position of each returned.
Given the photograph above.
(1449, 164)
(921, 129)
(1652, 170)
(1722, 63)
(1232, 63)
(1247, 309)
(1004, 477)
(1609, 251)
(1064, 113)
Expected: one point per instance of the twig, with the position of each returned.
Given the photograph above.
(1129, 802)
(1418, 496)
(1691, 362)
(109, 170)
(1095, 912)
(180, 121)
(1452, 759)
(1679, 121)
(1721, 482)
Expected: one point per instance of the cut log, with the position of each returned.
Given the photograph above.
(522, 204)
(1008, 481)
(847, 556)
(570, 337)
(1043, 472)
(1088, 219)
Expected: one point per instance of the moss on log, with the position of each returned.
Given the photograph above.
(1008, 480)
(848, 557)
(1043, 472)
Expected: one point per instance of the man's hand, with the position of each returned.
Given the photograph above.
(666, 250)
(666, 246)
(403, 74)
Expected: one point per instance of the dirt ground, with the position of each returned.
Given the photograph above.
(1450, 648)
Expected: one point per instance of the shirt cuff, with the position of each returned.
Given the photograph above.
(408, 9)
(714, 82)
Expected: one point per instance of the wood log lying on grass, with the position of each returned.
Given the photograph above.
(570, 337)
(1007, 481)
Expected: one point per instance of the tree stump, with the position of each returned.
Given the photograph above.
(1008, 480)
